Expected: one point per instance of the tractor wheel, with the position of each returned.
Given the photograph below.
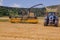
(45, 24)
(56, 25)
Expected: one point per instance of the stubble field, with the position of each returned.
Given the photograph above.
(22, 31)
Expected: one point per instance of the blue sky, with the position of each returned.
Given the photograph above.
(27, 3)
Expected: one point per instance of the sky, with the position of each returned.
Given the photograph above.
(28, 3)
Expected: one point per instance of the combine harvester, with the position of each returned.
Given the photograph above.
(25, 17)
(51, 17)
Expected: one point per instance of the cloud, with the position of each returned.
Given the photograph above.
(1, 2)
(15, 5)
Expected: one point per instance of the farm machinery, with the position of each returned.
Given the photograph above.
(24, 17)
(51, 17)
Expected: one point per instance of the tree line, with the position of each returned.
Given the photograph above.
(6, 11)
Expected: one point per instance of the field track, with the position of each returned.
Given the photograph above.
(22, 31)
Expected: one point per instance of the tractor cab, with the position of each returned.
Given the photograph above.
(51, 13)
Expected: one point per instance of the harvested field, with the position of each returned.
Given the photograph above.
(22, 31)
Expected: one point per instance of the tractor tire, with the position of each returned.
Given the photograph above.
(56, 25)
(45, 24)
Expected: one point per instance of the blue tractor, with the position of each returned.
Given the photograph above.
(51, 19)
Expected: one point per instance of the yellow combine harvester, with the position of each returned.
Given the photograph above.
(28, 18)
(25, 17)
